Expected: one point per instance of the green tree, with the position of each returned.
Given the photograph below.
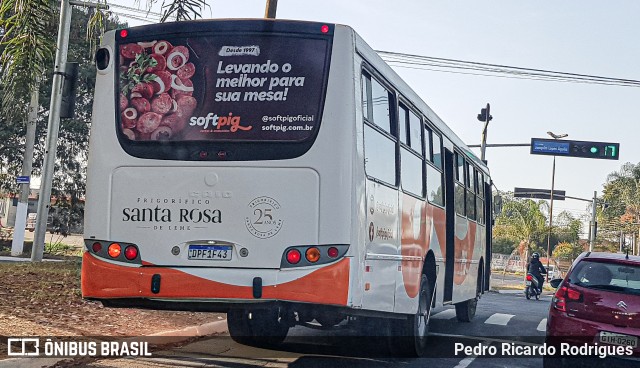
(622, 195)
(69, 174)
(522, 221)
(567, 251)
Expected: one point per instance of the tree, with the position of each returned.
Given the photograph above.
(568, 251)
(622, 195)
(180, 9)
(522, 221)
(69, 177)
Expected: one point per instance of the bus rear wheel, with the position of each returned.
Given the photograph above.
(466, 310)
(261, 327)
(408, 337)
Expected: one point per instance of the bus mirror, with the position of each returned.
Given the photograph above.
(497, 204)
(69, 87)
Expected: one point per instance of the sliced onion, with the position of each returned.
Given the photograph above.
(170, 58)
(147, 44)
(130, 113)
(136, 94)
(130, 134)
(174, 105)
(179, 87)
(161, 47)
(158, 80)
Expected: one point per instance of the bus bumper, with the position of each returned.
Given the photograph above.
(103, 280)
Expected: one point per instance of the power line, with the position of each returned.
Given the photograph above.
(495, 70)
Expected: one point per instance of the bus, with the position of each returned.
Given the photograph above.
(281, 172)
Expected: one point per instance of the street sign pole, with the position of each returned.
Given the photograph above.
(17, 243)
(553, 180)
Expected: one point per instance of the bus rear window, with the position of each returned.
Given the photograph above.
(221, 88)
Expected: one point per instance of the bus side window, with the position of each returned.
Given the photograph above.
(437, 150)
(460, 189)
(381, 111)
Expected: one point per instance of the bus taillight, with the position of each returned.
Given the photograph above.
(114, 250)
(293, 256)
(124, 33)
(312, 255)
(324, 29)
(131, 252)
(97, 247)
(333, 252)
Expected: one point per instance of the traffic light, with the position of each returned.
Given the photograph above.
(69, 86)
(558, 147)
(482, 116)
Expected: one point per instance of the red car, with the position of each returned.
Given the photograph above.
(596, 311)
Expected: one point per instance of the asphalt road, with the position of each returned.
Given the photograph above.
(500, 319)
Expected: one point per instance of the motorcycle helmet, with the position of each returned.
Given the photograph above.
(535, 255)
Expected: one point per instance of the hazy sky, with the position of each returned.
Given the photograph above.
(575, 36)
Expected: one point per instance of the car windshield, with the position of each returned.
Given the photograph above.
(615, 277)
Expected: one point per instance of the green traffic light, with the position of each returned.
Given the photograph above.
(594, 149)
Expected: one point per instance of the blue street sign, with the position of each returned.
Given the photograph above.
(549, 147)
(23, 179)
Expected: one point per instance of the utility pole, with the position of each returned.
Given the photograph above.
(53, 127)
(270, 10)
(594, 223)
(484, 116)
(17, 244)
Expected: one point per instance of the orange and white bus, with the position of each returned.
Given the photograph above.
(281, 172)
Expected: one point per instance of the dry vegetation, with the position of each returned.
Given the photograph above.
(39, 299)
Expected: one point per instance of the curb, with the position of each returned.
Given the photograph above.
(186, 333)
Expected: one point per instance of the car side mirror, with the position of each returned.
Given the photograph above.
(555, 283)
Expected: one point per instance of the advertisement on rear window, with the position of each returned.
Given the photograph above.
(231, 88)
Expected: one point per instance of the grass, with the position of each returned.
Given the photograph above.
(56, 249)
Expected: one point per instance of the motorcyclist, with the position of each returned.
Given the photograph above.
(536, 269)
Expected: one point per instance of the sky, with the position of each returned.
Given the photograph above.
(574, 36)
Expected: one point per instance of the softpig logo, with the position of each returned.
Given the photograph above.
(219, 122)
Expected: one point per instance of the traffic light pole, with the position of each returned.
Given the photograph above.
(483, 148)
(53, 127)
(553, 180)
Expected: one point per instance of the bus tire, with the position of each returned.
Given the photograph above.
(465, 311)
(260, 328)
(408, 337)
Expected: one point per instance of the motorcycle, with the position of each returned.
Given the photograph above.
(532, 287)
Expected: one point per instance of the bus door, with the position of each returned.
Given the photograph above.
(449, 256)
(382, 245)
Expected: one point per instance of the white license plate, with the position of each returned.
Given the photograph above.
(210, 252)
(528, 283)
(618, 339)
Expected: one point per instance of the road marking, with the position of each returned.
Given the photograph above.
(542, 326)
(499, 319)
(464, 363)
(445, 314)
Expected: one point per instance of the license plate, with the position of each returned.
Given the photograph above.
(210, 252)
(618, 339)
(528, 283)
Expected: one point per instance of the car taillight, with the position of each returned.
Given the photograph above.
(563, 295)
(529, 278)
(293, 256)
(114, 250)
(131, 252)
